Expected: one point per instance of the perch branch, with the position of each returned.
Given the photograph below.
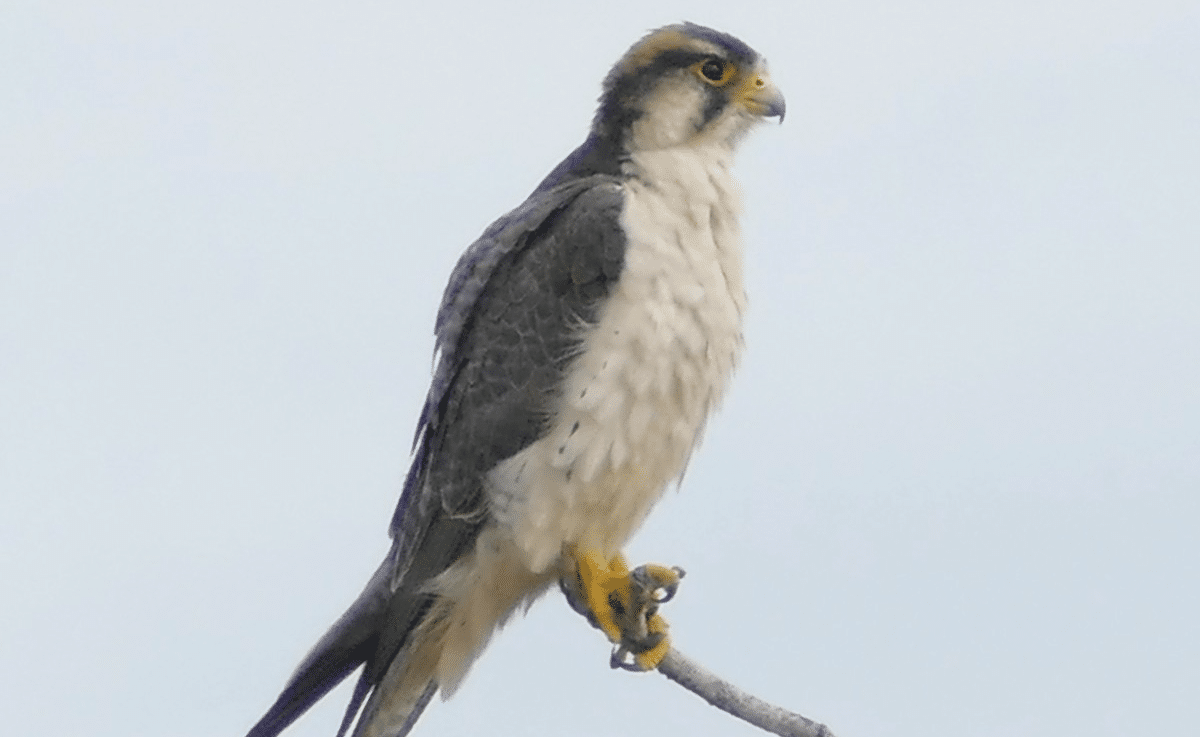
(729, 698)
(651, 586)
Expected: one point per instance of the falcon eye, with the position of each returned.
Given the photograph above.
(713, 70)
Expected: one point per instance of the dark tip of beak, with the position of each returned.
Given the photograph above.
(776, 108)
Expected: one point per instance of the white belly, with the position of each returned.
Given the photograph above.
(652, 369)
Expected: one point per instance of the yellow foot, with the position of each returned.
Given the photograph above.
(605, 587)
(624, 605)
(625, 657)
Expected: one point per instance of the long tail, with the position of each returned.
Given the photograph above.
(377, 631)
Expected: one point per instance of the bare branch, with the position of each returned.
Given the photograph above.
(732, 700)
(651, 586)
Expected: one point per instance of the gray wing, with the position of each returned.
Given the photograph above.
(508, 325)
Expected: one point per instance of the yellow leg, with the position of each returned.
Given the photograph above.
(624, 605)
(603, 582)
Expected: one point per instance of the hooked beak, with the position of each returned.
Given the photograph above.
(760, 96)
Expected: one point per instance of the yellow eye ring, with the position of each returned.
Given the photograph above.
(714, 71)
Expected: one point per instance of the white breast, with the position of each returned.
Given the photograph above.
(653, 368)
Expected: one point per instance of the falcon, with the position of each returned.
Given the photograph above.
(581, 345)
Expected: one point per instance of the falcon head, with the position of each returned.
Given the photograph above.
(684, 84)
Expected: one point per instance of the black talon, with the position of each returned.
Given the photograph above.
(622, 659)
(623, 655)
(648, 583)
(672, 588)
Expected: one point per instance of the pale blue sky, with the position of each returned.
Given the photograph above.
(954, 491)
